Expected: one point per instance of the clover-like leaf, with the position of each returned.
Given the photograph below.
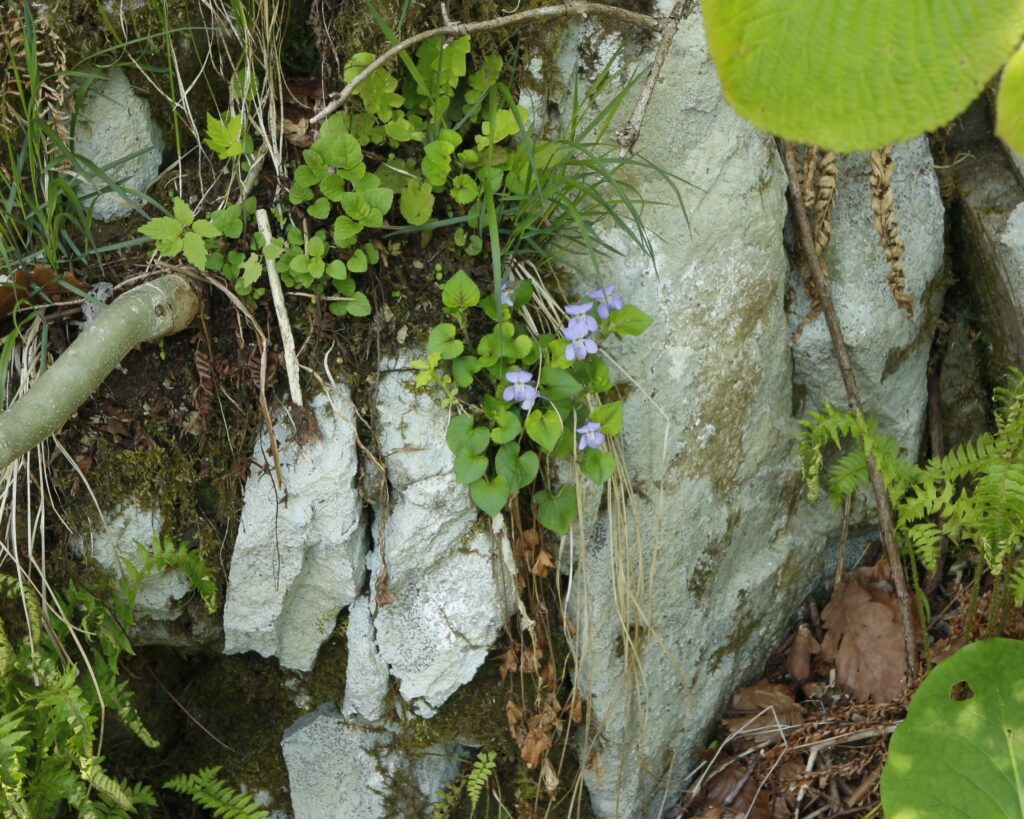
(360, 305)
(346, 231)
(320, 209)
(808, 70)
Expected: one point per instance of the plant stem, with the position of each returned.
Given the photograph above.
(291, 362)
(883, 506)
(575, 9)
(158, 308)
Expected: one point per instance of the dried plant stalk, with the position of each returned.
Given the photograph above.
(824, 199)
(884, 212)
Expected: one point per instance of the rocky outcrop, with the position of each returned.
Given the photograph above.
(115, 132)
(684, 593)
(167, 611)
(300, 554)
(443, 577)
(342, 769)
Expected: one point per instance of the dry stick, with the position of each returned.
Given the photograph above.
(631, 133)
(291, 362)
(576, 9)
(842, 355)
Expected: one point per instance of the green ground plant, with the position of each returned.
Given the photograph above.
(974, 495)
(45, 217)
(53, 708)
(216, 795)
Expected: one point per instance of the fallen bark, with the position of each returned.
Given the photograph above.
(150, 311)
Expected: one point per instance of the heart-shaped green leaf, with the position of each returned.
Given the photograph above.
(810, 70)
(598, 465)
(960, 751)
(609, 416)
(491, 496)
(544, 427)
(460, 292)
(507, 427)
(442, 340)
(518, 469)
(469, 468)
(557, 511)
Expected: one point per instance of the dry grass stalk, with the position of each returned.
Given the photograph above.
(824, 199)
(883, 209)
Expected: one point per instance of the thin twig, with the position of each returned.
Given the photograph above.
(631, 133)
(291, 362)
(576, 9)
(882, 504)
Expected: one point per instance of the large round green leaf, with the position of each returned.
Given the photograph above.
(858, 74)
(960, 751)
(1010, 103)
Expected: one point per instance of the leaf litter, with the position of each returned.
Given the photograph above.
(809, 739)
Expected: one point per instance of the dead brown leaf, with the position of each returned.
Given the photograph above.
(763, 705)
(543, 564)
(863, 635)
(798, 661)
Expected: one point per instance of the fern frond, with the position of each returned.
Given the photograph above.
(1016, 585)
(164, 555)
(93, 773)
(482, 770)
(963, 461)
(847, 475)
(216, 795)
(130, 717)
(923, 539)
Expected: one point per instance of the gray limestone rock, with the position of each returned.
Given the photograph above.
(116, 132)
(449, 574)
(339, 769)
(889, 350)
(684, 590)
(991, 230)
(366, 676)
(298, 561)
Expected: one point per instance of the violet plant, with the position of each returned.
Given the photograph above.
(522, 397)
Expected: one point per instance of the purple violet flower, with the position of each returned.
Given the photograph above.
(607, 300)
(508, 293)
(521, 390)
(591, 436)
(580, 316)
(580, 343)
